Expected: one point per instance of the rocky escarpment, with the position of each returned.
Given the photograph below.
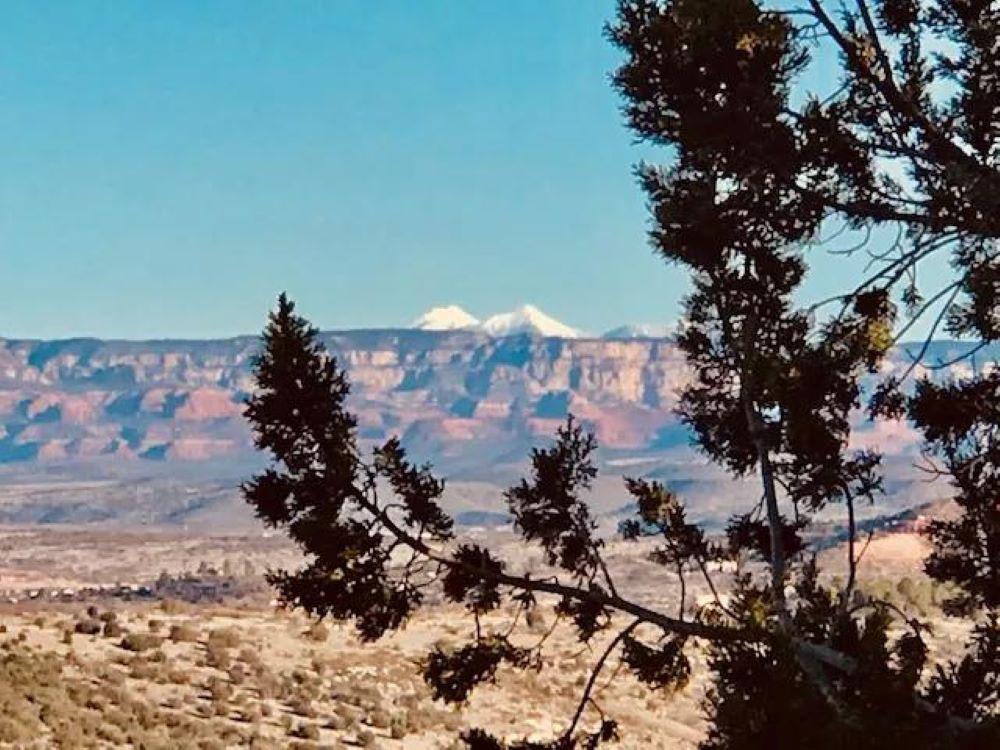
(182, 400)
(152, 432)
(448, 393)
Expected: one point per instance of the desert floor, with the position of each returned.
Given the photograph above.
(108, 672)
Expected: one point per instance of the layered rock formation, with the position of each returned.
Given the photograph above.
(86, 409)
(441, 390)
(166, 400)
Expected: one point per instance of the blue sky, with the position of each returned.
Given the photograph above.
(168, 168)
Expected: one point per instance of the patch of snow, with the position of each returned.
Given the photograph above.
(445, 318)
(527, 319)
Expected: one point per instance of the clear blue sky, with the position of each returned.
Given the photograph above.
(167, 168)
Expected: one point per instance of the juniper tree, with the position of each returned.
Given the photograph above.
(754, 179)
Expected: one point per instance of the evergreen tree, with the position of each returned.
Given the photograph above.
(754, 180)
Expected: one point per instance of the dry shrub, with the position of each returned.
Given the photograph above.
(225, 637)
(337, 723)
(303, 706)
(140, 641)
(260, 742)
(112, 734)
(399, 726)
(379, 718)
(140, 669)
(349, 716)
(178, 676)
(252, 714)
(319, 664)
(237, 673)
(269, 687)
(109, 677)
(217, 656)
(306, 731)
(250, 657)
(407, 700)
(219, 689)
(306, 680)
(173, 607)
(172, 701)
(318, 632)
(363, 696)
(184, 633)
(88, 627)
(35, 695)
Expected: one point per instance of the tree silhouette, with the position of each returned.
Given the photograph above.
(755, 178)
(754, 181)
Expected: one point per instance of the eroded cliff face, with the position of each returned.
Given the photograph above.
(450, 395)
(182, 400)
(140, 433)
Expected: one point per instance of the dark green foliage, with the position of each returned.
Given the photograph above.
(317, 484)
(326, 496)
(664, 666)
(970, 687)
(473, 579)
(417, 488)
(753, 179)
(548, 507)
(961, 422)
(453, 674)
(769, 694)
(661, 513)
(589, 615)
(748, 535)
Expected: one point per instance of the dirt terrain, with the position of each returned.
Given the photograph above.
(123, 669)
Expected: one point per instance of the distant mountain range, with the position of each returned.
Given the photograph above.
(526, 319)
(470, 397)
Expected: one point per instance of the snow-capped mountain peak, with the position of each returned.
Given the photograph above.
(527, 319)
(445, 318)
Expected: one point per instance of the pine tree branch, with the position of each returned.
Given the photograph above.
(595, 673)
(525, 583)
(893, 97)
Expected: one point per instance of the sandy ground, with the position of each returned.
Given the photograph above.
(280, 680)
(247, 674)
